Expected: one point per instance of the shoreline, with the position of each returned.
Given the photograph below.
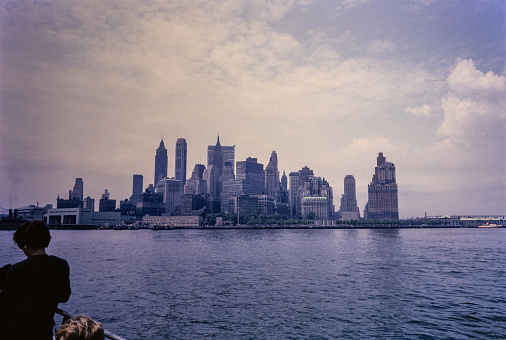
(351, 227)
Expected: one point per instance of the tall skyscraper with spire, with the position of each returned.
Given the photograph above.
(227, 155)
(272, 184)
(181, 158)
(284, 182)
(349, 208)
(161, 162)
(382, 192)
(217, 160)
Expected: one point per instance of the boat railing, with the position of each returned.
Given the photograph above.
(107, 334)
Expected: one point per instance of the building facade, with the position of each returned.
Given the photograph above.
(308, 194)
(89, 203)
(150, 203)
(161, 163)
(317, 207)
(227, 155)
(181, 160)
(292, 192)
(252, 175)
(106, 204)
(272, 184)
(171, 189)
(349, 208)
(230, 187)
(137, 188)
(196, 184)
(244, 205)
(382, 192)
(77, 191)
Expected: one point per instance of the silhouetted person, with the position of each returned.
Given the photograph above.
(80, 327)
(33, 288)
(3, 272)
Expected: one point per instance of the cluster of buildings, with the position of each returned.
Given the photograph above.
(243, 188)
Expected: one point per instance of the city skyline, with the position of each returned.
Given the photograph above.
(88, 90)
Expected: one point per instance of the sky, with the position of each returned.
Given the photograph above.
(89, 89)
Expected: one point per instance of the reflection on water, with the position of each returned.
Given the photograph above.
(298, 284)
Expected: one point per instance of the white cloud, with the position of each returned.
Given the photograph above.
(475, 109)
(380, 47)
(354, 3)
(468, 82)
(423, 111)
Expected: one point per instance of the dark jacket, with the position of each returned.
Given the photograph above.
(30, 295)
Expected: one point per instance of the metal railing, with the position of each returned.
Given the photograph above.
(107, 334)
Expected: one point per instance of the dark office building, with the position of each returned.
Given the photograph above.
(192, 205)
(349, 208)
(77, 191)
(219, 154)
(252, 175)
(150, 203)
(161, 162)
(106, 204)
(127, 207)
(181, 160)
(68, 203)
(137, 187)
(244, 205)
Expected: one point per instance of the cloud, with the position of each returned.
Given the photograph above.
(354, 3)
(466, 81)
(423, 111)
(475, 109)
(380, 47)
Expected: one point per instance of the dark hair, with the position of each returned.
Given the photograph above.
(33, 234)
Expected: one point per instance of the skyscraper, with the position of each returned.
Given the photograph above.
(310, 195)
(272, 184)
(230, 187)
(382, 192)
(349, 208)
(284, 182)
(315, 196)
(77, 191)
(137, 187)
(181, 157)
(252, 175)
(212, 178)
(106, 204)
(172, 190)
(196, 184)
(292, 193)
(89, 203)
(216, 159)
(227, 154)
(161, 161)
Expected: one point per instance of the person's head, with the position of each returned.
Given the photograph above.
(33, 234)
(80, 327)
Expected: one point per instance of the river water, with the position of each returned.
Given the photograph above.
(286, 284)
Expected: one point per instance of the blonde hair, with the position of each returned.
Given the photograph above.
(80, 327)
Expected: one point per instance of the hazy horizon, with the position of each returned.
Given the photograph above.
(89, 88)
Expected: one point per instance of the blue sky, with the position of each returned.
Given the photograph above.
(88, 89)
